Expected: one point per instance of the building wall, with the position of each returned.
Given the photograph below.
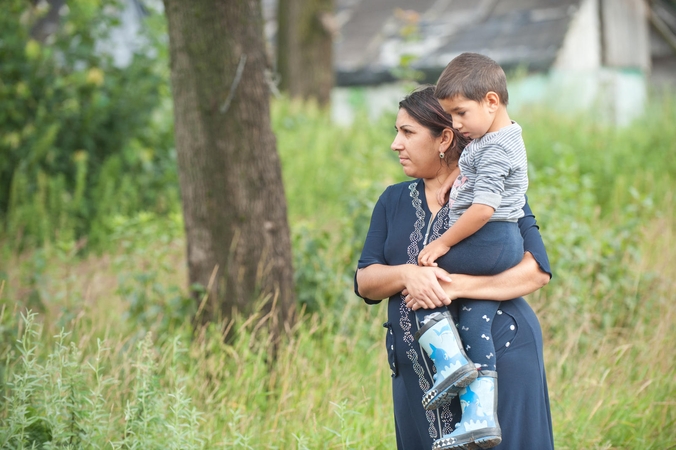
(589, 74)
(581, 48)
(625, 36)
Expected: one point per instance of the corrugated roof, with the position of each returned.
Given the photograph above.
(513, 32)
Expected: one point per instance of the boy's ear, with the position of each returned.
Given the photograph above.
(492, 99)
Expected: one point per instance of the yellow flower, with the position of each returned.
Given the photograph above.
(32, 49)
(95, 76)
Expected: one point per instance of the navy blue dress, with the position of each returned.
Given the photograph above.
(400, 221)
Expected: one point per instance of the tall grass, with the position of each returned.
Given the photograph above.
(612, 386)
(98, 352)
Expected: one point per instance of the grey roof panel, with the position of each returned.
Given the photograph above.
(513, 32)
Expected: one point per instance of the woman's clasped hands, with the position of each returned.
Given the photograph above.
(424, 287)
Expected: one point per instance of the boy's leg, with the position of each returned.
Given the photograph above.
(493, 249)
(496, 247)
(478, 427)
(475, 320)
(423, 315)
(439, 338)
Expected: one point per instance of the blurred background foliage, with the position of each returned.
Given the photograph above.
(82, 140)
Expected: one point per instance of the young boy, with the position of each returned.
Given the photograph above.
(485, 202)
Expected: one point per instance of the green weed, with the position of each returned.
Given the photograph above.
(109, 358)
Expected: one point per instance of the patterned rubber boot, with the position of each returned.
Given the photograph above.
(479, 427)
(440, 340)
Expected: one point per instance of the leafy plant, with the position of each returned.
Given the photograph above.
(80, 137)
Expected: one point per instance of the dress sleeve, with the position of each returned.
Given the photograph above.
(374, 246)
(532, 240)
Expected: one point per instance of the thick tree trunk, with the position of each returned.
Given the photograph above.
(231, 184)
(305, 30)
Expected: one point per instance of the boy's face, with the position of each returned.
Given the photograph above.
(471, 118)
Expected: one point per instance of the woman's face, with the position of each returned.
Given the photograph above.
(418, 150)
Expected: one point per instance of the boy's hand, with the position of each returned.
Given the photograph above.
(431, 252)
(444, 190)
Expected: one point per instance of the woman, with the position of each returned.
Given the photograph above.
(405, 218)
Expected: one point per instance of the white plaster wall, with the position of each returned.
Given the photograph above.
(629, 91)
(612, 95)
(626, 42)
(579, 82)
(581, 49)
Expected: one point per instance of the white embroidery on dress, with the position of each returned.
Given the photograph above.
(444, 414)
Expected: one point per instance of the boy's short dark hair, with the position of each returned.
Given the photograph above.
(473, 76)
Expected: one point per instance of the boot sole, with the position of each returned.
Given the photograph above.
(479, 439)
(447, 390)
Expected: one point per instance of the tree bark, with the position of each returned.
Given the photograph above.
(305, 30)
(234, 208)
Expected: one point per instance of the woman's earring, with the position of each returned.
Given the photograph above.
(441, 155)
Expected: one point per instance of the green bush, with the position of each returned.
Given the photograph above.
(80, 137)
(619, 161)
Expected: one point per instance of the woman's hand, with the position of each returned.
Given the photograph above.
(423, 287)
(522, 279)
(379, 281)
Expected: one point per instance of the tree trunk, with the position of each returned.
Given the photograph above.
(305, 30)
(234, 208)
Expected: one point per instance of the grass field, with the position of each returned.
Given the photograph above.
(106, 357)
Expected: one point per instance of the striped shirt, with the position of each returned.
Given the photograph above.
(493, 172)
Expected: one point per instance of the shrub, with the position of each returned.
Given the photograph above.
(78, 134)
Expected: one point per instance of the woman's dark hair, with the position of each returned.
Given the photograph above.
(422, 105)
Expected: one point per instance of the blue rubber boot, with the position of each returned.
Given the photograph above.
(440, 340)
(479, 427)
